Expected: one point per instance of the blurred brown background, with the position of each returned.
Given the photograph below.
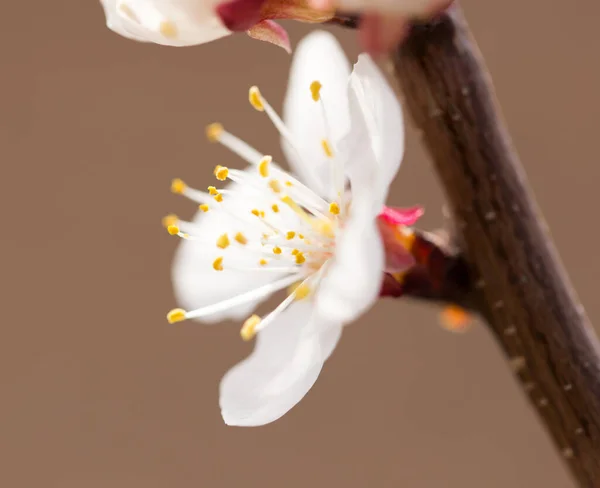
(98, 391)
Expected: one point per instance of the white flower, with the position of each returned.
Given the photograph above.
(172, 23)
(313, 234)
(191, 22)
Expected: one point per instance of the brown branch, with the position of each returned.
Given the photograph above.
(524, 293)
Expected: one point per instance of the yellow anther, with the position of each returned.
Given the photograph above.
(290, 202)
(218, 264)
(290, 235)
(249, 328)
(204, 207)
(178, 186)
(295, 252)
(288, 183)
(255, 212)
(263, 262)
(176, 315)
(275, 186)
(241, 238)
(275, 208)
(334, 208)
(301, 236)
(262, 214)
(327, 148)
(277, 250)
(315, 90)
(168, 29)
(223, 241)
(126, 10)
(173, 230)
(212, 190)
(213, 132)
(221, 172)
(263, 166)
(169, 220)
(256, 99)
(218, 197)
(300, 259)
(302, 291)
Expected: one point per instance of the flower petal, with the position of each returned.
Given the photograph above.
(272, 32)
(174, 23)
(351, 285)
(402, 216)
(374, 109)
(285, 363)
(317, 57)
(196, 284)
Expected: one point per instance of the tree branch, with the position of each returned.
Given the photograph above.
(523, 293)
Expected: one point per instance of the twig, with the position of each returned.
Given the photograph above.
(523, 292)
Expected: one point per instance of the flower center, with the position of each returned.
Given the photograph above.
(278, 224)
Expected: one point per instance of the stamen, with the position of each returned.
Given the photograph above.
(260, 104)
(290, 235)
(327, 148)
(126, 10)
(282, 306)
(263, 166)
(214, 132)
(243, 298)
(315, 90)
(218, 197)
(178, 186)
(223, 241)
(212, 191)
(256, 99)
(277, 250)
(221, 173)
(169, 220)
(248, 331)
(300, 259)
(334, 208)
(218, 264)
(275, 186)
(302, 291)
(275, 208)
(176, 315)
(173, 230)
(168, 29)
(241, 238)
(263, 262)
(204, 207)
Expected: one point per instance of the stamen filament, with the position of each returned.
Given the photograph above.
(243, 298)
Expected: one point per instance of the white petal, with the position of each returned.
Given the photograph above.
(352, 283)
(171, 23)
(196, 284)
(372, 99)
(317, 57)
(285, 363)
